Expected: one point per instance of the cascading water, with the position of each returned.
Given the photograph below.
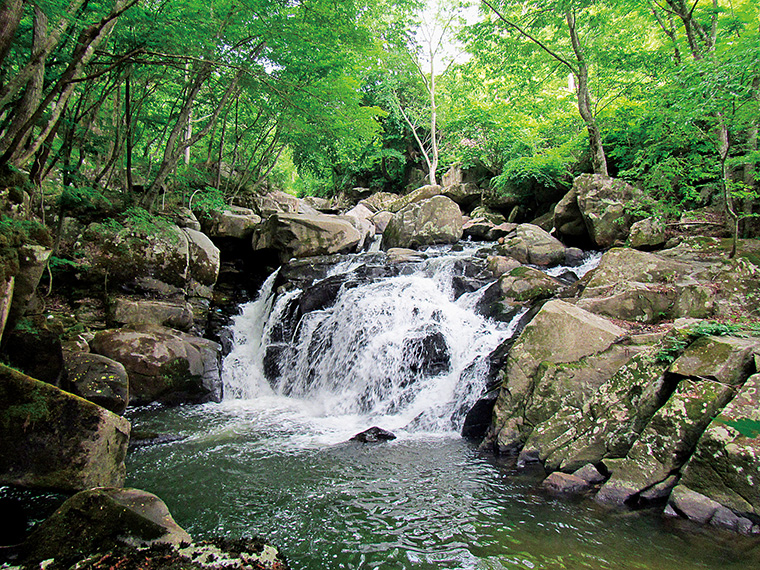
(403, 349)
(364, 341)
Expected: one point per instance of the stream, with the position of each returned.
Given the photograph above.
(401, 346)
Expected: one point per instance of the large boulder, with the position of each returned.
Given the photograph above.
(563, 355)
(527, 284)
(232, 222)
(99, 520)
(204, 258)
(302, 235)
(135, 311)
(596, 211)
(695, 279)
(605, 204)
(607, 423)
(723, 467)
(277, 202)
(531, 244)
(418, 195)
(55, 440)
(164, 364)
(360, 217)
(432, 221)
(466, 195)
(380, 201)
(98, 379)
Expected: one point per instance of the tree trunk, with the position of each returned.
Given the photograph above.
(10, 16)
(598, 158)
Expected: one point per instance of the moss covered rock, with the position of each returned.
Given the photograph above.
(666, 443)
(164, 364)
(607, 423)
(531, 244)
(101, 519)
(527, 284)
(560, 355)
(725, 466)
(52, 439)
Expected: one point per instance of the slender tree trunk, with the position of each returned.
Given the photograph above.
(31, 96)
(433, 125)
(10, 16)
(598, 158)
(128, 134)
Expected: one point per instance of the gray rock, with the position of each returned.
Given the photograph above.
(603, 203)
(559, 483)
(531, 244)
(433, 221)
(133, 311)
(300, 235)
(98, 379)
(649, 233)
(52, 439)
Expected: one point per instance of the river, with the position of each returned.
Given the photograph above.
(406, 351)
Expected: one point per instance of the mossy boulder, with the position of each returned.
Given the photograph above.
(725, 465)
(164, 364)
(647, 234)
(727, 359)
(436, 220)
(305, 235)
(665, 444)
(53, 439)
(606, 424)
(417, 195)
(203, 258)
(232, 222)
(531, 244)
(98, 520)
(527, 284)
(98, 379)
(604, 204)
(563, 353)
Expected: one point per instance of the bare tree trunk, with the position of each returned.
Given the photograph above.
(10, 16)
(30, 99)
(598, 158)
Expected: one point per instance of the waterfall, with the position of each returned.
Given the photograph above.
(404, 349)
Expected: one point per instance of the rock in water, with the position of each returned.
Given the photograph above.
(99, 520)
(373, 435)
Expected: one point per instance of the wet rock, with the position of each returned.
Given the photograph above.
(164, 364)
(428, 355)
(478, 418)
(305, 235)
(541, 372)
(373, 435)
(559, 483)
(433, 221)
(53, 439)
(381, 220)
(499, 264)
(723, 469)
(98, 520)
(98, 379)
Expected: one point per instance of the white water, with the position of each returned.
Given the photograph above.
(399, 352)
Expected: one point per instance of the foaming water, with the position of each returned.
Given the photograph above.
(402, 350)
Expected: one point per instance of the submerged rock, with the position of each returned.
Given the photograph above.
(373, 435)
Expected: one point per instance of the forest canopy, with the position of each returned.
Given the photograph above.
(148, 103)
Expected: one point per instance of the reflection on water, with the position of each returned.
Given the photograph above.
(424, 501)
